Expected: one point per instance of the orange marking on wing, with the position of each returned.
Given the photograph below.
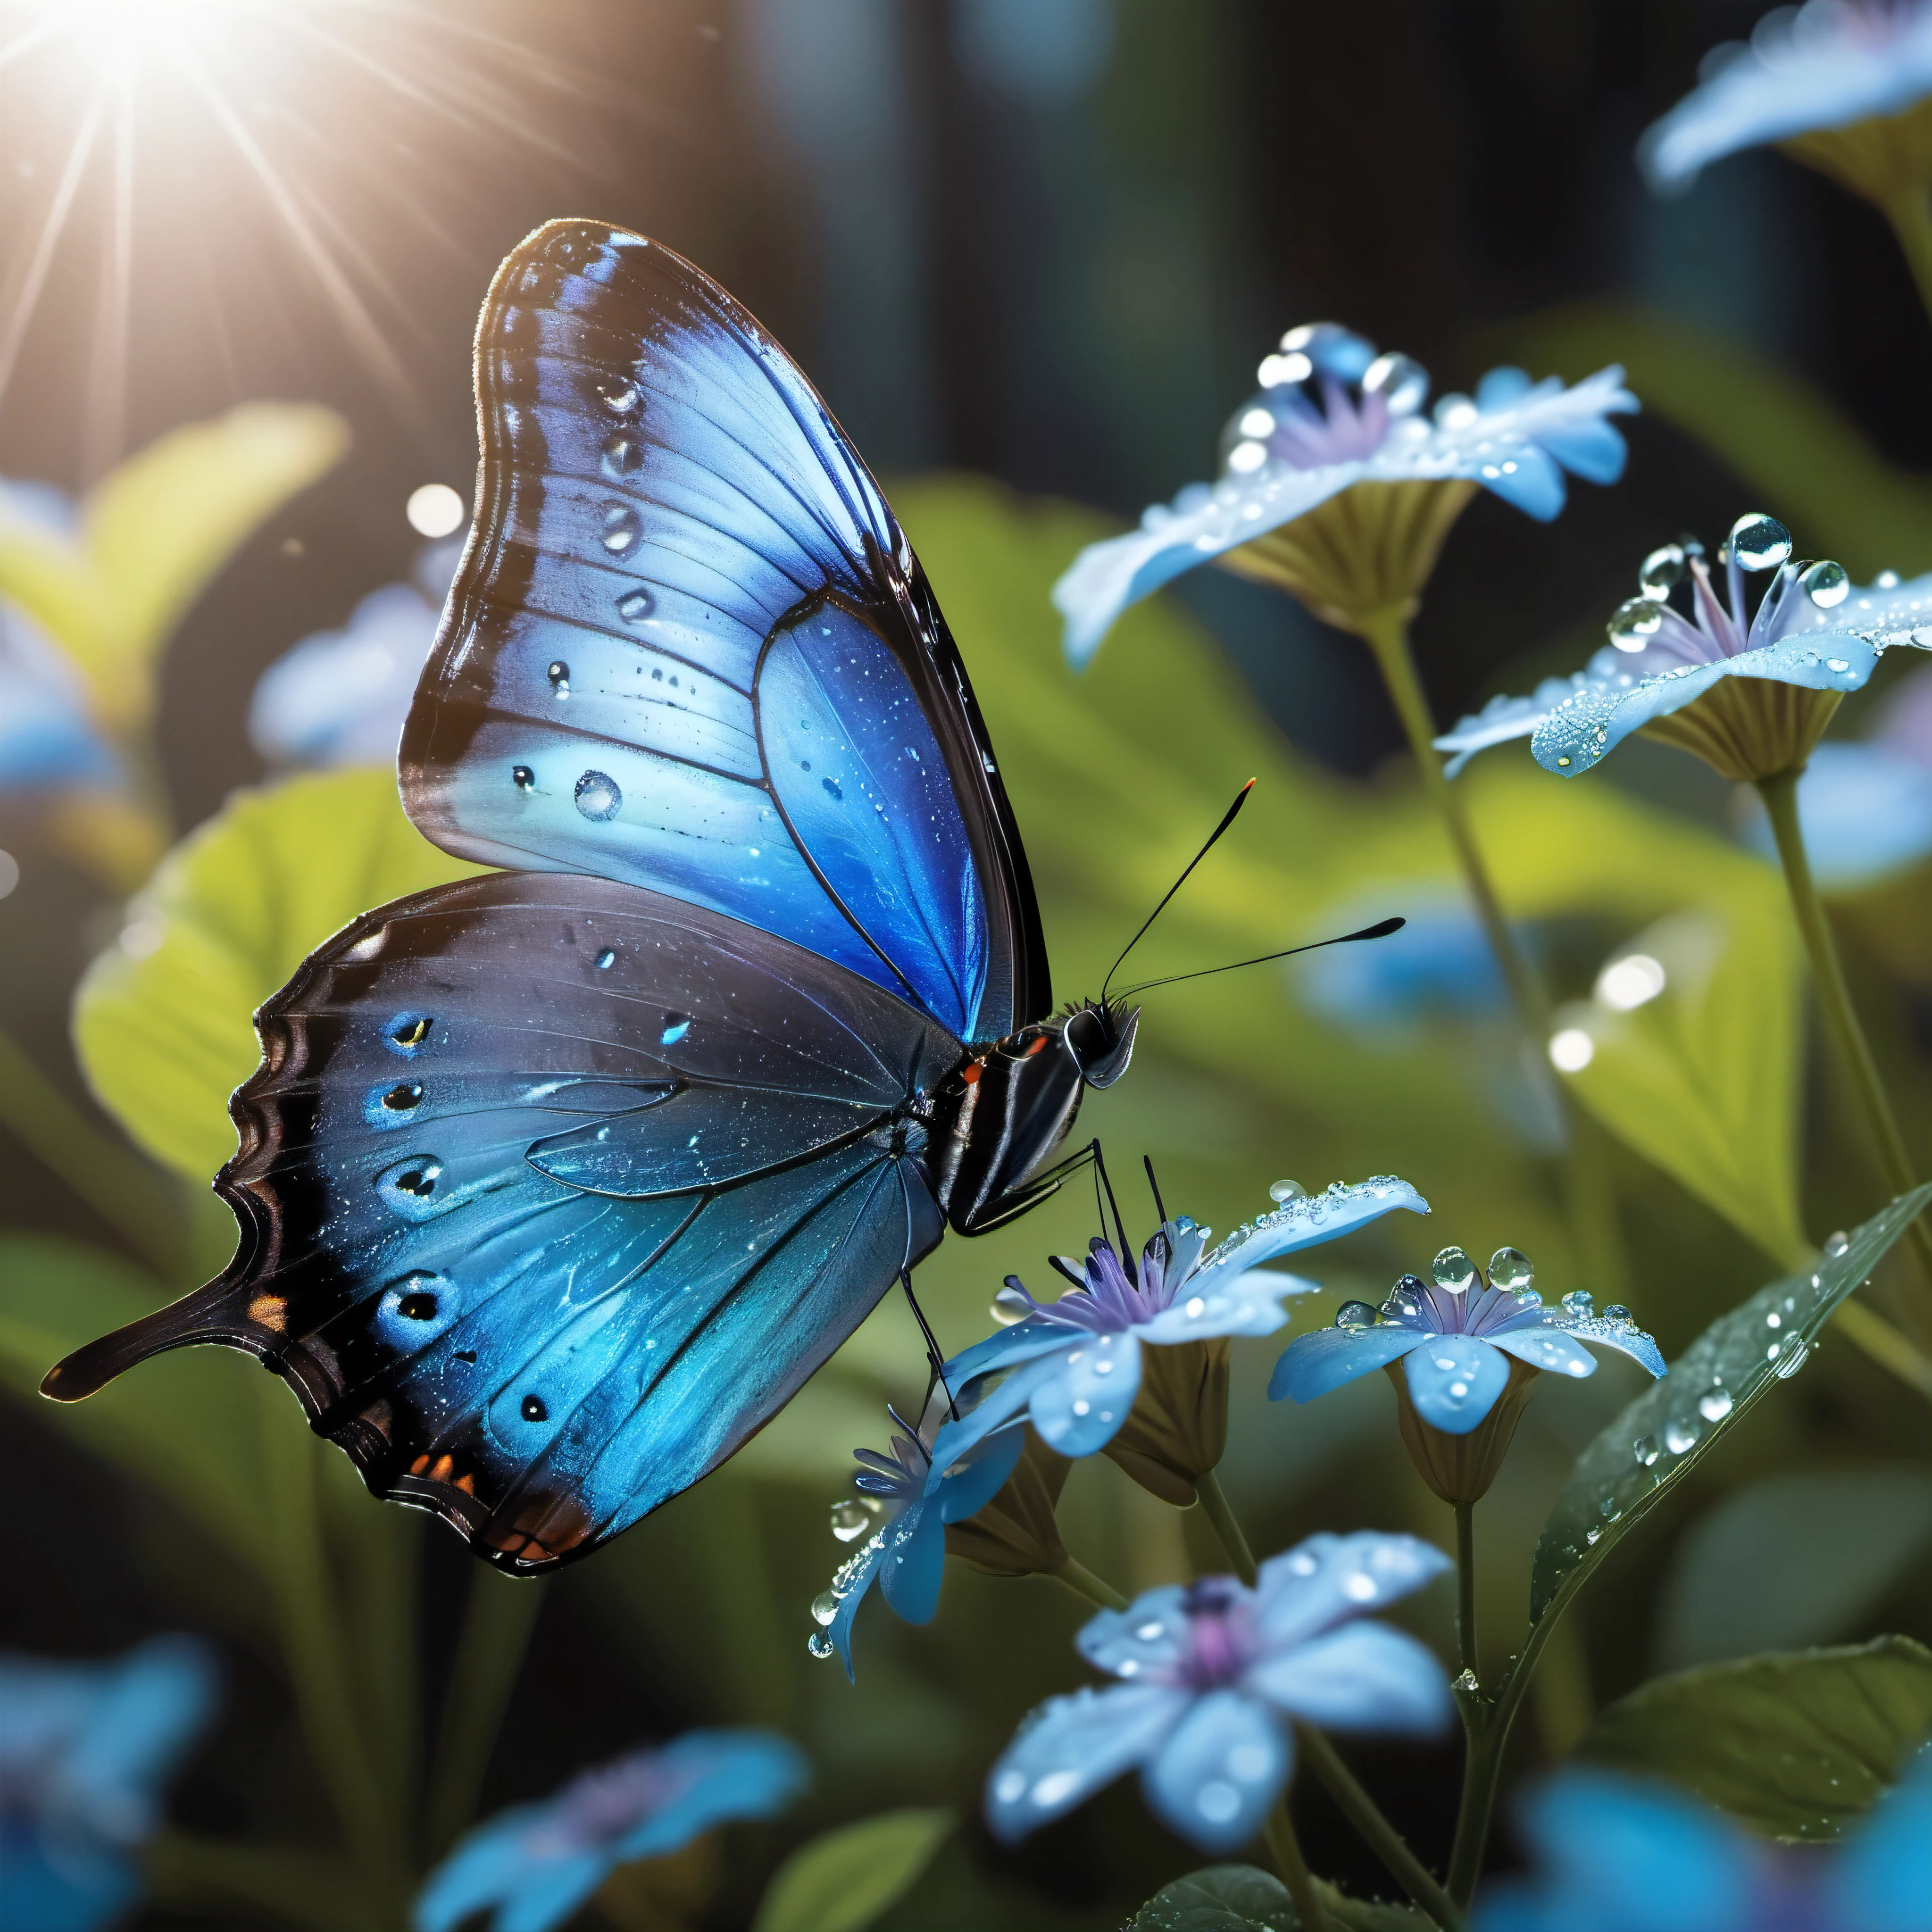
(445, 1467)
(466, 1484)
(418, 1467)
(971, 1074)
(269, 1311)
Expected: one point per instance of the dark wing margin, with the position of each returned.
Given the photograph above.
(661, 493)
(542, 1362)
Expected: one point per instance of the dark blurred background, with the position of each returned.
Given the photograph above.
(1047, 240)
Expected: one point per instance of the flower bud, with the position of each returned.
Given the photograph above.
(1369, 549)
(1178, 1429)
(1460, 1468)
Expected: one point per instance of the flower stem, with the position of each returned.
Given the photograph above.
(1376, 1832)
(1590, 1202)
(1082, 1582)
(1911, 219)
(1835, 1000)
(1214, 1503)
(1466, 1589)
(1279, 1833)
(497, 1621)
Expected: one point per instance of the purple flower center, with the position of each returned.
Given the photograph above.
(606, 1805)
(1341, 431)
(1433, 1310)
(1220, 1617)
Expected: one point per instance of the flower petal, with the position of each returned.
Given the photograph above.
(1072, 1746)
(1149, 1636)
(1314, 1364)
(745, 1774)
(1213, 1780)
(983, 1474)
(1365, 1677)
(1454, 1380)
(1883, 1878)
(1616, 1855)
(1247, 1302)
(914, 1561)
(1107, 577)
(1528, 479)
(1310, 1220)
(1546, 1348)
(861, 1580)
(1625, 1336)
(1006, 1405)
(1023, 1341)
(1326, 1579)
(486, 1866)
(1078, 1411)
(551, 1892)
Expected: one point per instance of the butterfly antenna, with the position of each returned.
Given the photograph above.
(1159, 1206)
(1380, 930)
(934, 1360)
(1227, 819)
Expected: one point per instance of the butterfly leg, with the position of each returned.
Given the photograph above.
(934, 1360)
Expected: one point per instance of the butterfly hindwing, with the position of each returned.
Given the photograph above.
(554, 1190)
(689, 648)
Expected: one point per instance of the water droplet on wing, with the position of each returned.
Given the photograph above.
(634, 606)
(598, 796)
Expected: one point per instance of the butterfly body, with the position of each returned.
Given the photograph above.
(556, 1183)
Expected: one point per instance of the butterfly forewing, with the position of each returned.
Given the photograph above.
(682, 580)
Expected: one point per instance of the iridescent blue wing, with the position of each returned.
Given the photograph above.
(690, 648)
(553, 1191)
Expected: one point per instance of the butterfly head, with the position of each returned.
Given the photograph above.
(1099, 1034)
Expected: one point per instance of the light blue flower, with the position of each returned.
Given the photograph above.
(1812, 627)
(1215, 1675)
(1331, 413)
(48, 740)
(907, 1498)
(1614, 1855)
(339, 698)
(1826, 64)
(1866, 807)
(85, 1750)
(1454, 1335)
(1073, 1367)
(536, 1864)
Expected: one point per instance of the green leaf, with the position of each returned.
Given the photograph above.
(163, 1030)
(189, 1423)
(152, 536)
(842, 1880)
(1703, 1080)
(1220, 1898)
(1801, 458)
(1242, 1898)
(1792, 1560)
(1620, 1476)
(1795, 1747)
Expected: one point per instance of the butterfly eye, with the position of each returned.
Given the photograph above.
(407, 1032)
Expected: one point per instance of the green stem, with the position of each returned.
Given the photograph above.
(1835, 1000)
(1465, 1589)
(1082, 1582)
(497, 1621)
(1911, 220)
(309, 1620)
(1376, 1832)
(1214, 1506)
(119, 1186)
(1279, 1833)
(1590, 1198)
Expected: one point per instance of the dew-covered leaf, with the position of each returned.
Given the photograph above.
(162, 1020)
(1792, 1560)
(1619, 1477)
(1242, 1898)
(842, 1880)
(1796, 1746)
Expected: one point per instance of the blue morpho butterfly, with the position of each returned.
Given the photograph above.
(556, 1184)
